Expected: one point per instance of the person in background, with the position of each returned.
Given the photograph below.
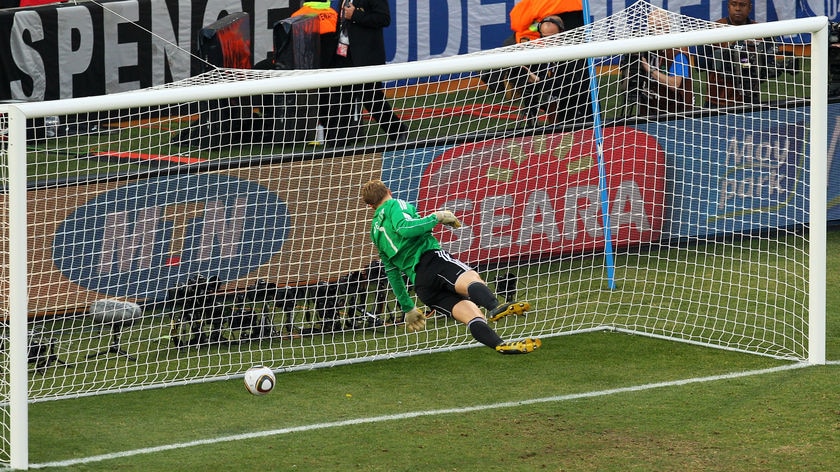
(738, 13)
(525, 17)
(529, 20)
(407, 248)
(558, 89)
(667, 86)
(730, 81)
(360, 42)
(327, 26)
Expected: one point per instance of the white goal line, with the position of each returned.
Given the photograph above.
(416, 414)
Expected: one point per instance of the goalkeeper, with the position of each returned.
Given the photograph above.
(407, 248)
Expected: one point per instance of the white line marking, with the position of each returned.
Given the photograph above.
(415, 414)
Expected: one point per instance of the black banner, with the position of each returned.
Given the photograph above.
(95, 48)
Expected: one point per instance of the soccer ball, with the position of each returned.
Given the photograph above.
(259, 380)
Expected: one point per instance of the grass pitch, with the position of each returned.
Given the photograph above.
(598, 401)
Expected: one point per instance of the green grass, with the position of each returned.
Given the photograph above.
(780, 421)
(599, 409)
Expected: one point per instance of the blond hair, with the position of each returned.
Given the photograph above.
(374, 192)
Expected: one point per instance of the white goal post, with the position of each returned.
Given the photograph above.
(218, 207)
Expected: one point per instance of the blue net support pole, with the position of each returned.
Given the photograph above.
(609, 253)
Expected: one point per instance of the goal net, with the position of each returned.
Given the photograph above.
(649, 173)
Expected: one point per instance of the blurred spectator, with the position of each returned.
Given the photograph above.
(736, 70)
(738, 13)
(558, 89)
(728, 82)
(361, 42)
(659, 81)
(526, 16)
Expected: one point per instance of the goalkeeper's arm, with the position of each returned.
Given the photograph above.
(415, 320)
(395, 279)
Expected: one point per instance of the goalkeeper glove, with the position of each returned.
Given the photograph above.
(448, 218)
(415, 320)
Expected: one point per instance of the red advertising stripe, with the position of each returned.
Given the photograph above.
(538, 195)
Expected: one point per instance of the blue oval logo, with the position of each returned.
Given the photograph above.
(141, 239)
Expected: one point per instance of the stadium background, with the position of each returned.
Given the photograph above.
(82, 49)
(71, 50)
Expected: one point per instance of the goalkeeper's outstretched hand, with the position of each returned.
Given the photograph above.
(448, 218)
(415, 320)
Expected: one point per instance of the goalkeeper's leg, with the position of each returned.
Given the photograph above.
(480, 293)
(468, 313)
(460, 299)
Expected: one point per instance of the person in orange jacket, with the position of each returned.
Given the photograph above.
(327, 16)
(527, 14)
(560, 89)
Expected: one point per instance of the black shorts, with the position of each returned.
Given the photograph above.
(434, 283)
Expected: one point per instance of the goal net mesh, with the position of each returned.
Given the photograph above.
(190, 238)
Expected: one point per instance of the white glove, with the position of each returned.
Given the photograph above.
(415, 320)
(448, 218)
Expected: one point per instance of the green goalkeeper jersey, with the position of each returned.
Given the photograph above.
(401, 235)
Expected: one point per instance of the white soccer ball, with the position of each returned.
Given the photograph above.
(259, 380)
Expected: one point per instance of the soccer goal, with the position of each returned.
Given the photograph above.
(647, 173)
